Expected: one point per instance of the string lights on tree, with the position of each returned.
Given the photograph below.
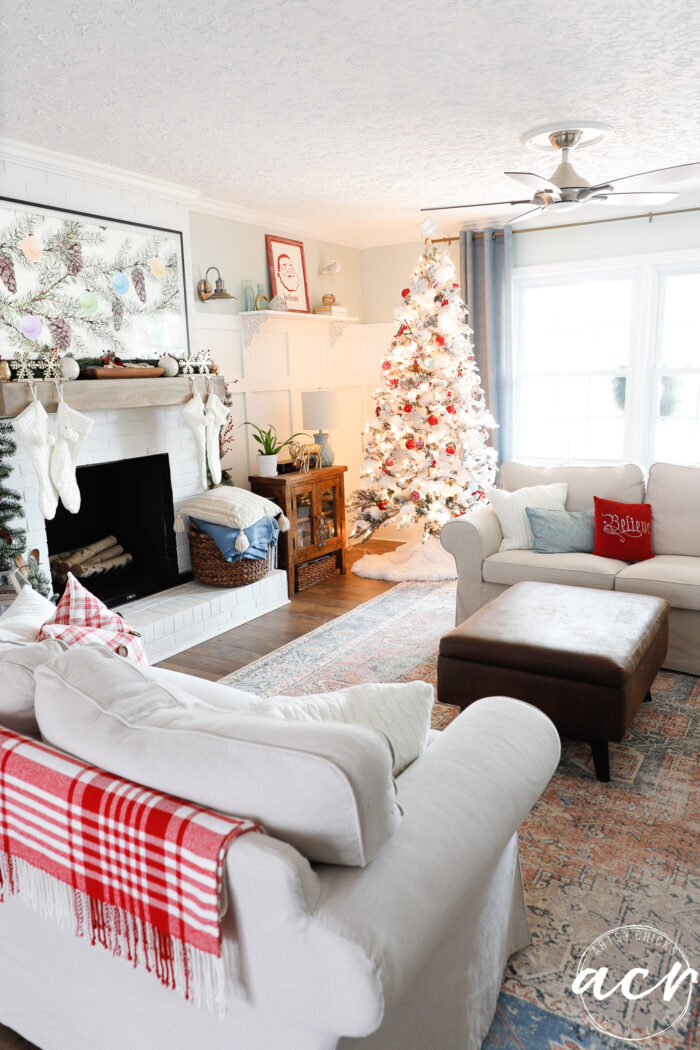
(426, 454)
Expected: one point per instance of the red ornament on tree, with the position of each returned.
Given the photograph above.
(450, 450)
(406, 292)
(410, 443)
(450, 409)
(393, 382)
(415, 496)
(445, 302)
(408, 408)
(432, 420)
(440, 340)
(383, 504)
(420, 444)
(389, 462)
(386, 365)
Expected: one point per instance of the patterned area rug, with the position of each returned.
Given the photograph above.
(594, 856)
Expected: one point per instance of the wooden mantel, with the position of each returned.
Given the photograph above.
(86, 394)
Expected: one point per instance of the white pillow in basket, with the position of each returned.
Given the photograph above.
(510, 509)
(230, 506)
(399, 710)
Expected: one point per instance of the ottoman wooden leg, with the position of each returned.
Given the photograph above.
(601, 760)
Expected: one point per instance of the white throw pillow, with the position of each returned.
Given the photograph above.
(400, 710)
(324, 788)
(18, 662)
(226, 505)
(26, 616)
(213, 694)
(510, 508)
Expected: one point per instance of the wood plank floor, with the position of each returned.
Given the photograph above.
(308, 610)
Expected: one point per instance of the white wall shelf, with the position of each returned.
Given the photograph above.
(253, 320)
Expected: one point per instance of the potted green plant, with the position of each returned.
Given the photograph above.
(270, 448)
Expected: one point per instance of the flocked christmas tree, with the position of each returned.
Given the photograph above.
(12, 536)
(426, 457)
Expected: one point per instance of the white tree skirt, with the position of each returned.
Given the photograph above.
(412, 561)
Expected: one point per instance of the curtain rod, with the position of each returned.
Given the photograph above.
(650, 216)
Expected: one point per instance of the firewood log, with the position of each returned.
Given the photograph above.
(80, 556)
(111, 552)
(100, 567)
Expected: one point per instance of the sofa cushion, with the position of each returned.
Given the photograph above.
(670, 576)
(81, 618)
(510, 509)
(213, 694)
(624, 483)
(323, 787)
(400, 710)
(18, 662)
(577, 570)
(25, 617)
(562, 531)
(674, 494)
(622, 530)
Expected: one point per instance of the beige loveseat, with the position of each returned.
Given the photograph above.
(673, 573)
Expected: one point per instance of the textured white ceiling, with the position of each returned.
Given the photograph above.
(350, 116)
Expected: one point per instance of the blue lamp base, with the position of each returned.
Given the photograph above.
(327, 453)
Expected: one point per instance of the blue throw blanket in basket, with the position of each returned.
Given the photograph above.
(260, 535)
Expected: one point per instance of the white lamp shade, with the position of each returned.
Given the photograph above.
(318, 409)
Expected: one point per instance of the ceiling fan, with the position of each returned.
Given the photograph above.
(565, 189)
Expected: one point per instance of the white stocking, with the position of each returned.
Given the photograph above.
(72, 429)
(196, 420)
(217, 414)
(32, 428)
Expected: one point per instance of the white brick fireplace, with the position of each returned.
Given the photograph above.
(181, 616)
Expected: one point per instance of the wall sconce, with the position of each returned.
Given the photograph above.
(204, 289)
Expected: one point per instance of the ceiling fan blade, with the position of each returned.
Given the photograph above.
(660, 177)
(537, 182)
(485, 204)
(632, 198)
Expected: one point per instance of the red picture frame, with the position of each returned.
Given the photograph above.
(287, 266)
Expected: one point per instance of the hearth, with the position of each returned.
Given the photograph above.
(132, 501)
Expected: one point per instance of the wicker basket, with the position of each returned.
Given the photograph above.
(209, 565)
(310, 573)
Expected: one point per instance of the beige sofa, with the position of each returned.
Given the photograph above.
(674, 573)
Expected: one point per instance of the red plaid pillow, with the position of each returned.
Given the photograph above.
(83, 619)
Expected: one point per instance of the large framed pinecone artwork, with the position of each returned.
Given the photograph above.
(87, 285)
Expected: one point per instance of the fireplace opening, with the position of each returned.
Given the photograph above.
(130, 500)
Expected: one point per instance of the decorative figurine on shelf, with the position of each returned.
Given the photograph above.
(203, 362)
(70, 369)
(50, 363)
(188, 364)
(5, 372)
(25, 364)
(261, 298)
(169, 365)
(308, 458)
(278, 304)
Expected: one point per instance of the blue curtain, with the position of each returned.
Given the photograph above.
(487, 269)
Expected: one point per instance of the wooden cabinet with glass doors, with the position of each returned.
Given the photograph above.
(314, 502)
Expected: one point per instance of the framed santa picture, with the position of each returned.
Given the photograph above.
(285, 260)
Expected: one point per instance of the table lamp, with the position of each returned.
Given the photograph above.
(319, 414)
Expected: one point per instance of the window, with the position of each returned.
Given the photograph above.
(607, 364)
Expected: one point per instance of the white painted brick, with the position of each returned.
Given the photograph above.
(66, 182)
(81, 201)
(24, 172)
(104, 190)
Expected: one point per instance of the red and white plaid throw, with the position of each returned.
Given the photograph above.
(135, 871)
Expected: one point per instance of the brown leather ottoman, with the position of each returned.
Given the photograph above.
(585, 657)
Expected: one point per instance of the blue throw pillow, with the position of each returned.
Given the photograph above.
(259, 535)
(562, 531)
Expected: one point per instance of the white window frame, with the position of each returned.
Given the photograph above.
(644, 370)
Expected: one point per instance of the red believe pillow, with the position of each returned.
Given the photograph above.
(82, 619)
(622, 530)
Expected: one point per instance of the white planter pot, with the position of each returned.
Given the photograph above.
(267, 466)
